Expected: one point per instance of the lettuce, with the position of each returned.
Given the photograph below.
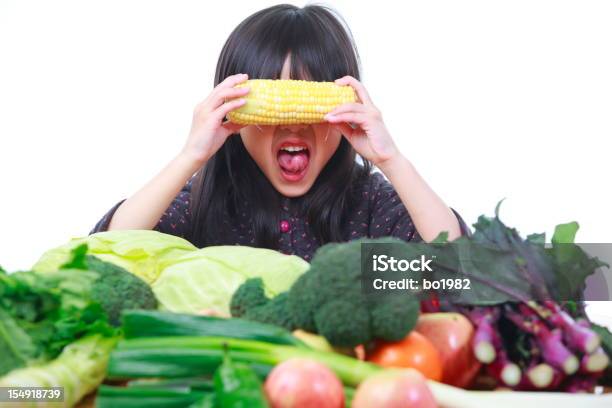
(144, 253)
(206, 279)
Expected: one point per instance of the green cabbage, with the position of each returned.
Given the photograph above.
(144, 253)
(184, 279)
(206, 279)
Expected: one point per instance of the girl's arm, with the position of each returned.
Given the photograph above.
(208, 133)
(428, 212)
(144, 209)
(371, 139)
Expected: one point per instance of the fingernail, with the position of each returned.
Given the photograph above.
(328, 116)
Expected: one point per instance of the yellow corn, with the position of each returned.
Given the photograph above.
(289, 101)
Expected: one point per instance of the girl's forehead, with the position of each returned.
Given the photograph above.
(286, 71)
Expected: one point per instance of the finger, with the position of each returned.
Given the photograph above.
(343, 128)
(348, 107)
(354, 117)
(226, 108)
(213, 100)
(232, 80)
(225, 94)
(228, 83)
(362, 93)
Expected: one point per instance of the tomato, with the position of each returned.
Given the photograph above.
(415, 351)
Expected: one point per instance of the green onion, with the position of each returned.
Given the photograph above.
(193, 383)
(141, 323)
(173, 357)
(137, 397)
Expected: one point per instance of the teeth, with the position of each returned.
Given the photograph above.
(293, 148)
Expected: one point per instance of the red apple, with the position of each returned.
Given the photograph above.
(394, 389)
(451, 334)
(303, 383)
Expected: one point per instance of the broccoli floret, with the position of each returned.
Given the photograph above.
(117, 290)
(333, 323)
(87, 278)
(393, 316)
(273, 312)
(300, 291)
(249, 301)
(248, 296)
(328, 299)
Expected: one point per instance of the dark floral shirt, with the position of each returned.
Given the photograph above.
(380, 213)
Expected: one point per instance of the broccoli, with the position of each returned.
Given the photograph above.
(328, 300)
(117, 290)
(273, 312)
(250, 302)
(87, 279)
(249, 295)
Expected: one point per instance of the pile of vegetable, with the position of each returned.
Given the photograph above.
(62, 322)
(531, 329)
(184, 279)
(239, 326)
(525, 303)
(188, 349)
(179, 359)
(328, 299)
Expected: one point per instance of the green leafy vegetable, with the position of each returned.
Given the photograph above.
(502, 266)
(143, 253)
(207, 278)
(237, 385)
(183, 278)
(41, 313)
(39, 317)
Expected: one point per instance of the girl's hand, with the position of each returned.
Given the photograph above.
(208, 131)
(369, 135)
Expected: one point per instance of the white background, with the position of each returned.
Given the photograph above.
(490, 99)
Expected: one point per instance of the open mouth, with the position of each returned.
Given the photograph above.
(293, 160)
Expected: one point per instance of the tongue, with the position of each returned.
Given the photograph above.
(292, 162)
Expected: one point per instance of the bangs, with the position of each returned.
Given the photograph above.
(320, 46)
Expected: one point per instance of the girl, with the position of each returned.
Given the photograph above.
(290, 188)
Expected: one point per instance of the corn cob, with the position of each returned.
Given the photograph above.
(288, 101)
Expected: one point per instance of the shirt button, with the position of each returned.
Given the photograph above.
(284, 226)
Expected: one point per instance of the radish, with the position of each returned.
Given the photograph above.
(303, 383)
(394, 389)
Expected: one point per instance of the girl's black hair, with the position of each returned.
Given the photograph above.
(321, 50)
